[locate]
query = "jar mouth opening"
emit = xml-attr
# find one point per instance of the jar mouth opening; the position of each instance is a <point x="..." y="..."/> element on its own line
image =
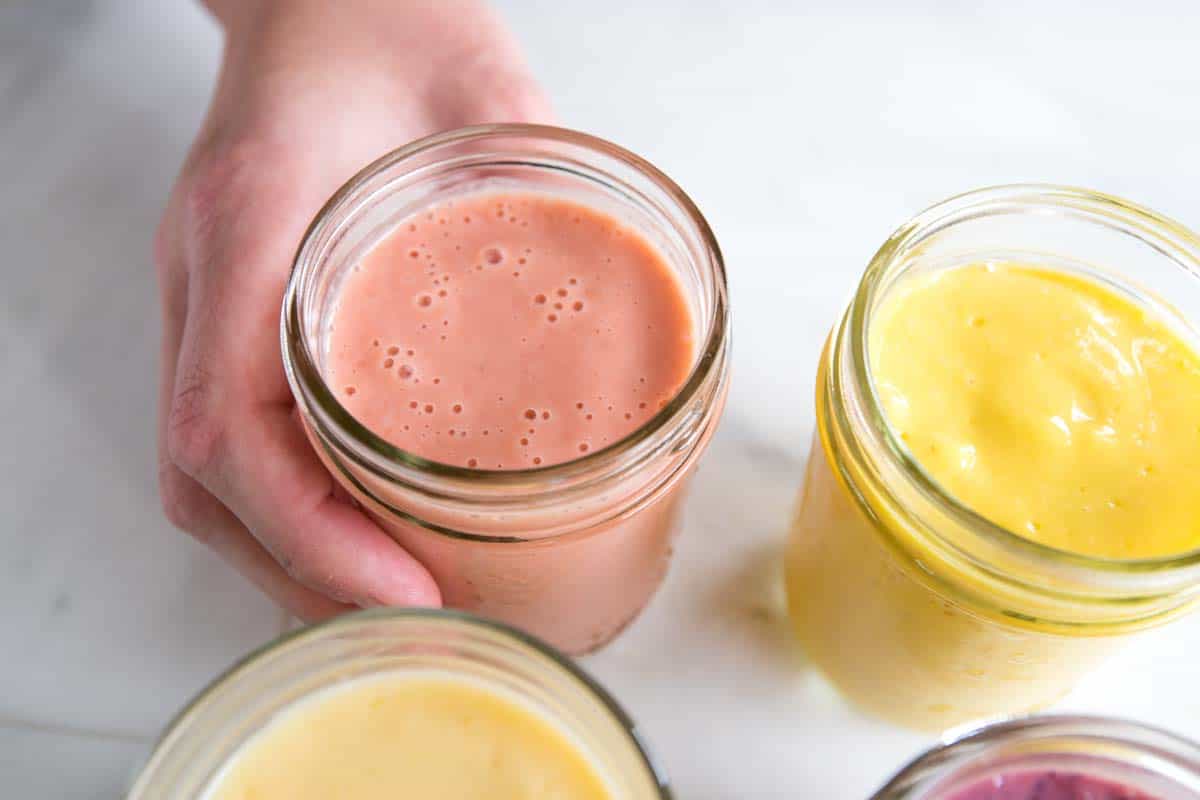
<point x="1030" y="739"/>
<point x="449" y="619"/>
<point x="1166" y="236"/>
<point x="392" y="462"/>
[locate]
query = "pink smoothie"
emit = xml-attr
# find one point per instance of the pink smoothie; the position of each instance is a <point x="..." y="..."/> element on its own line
<point x="1048" y="786"/>
<point x="509" y="331"/>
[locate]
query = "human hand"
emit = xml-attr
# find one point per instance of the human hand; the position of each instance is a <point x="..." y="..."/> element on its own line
<point x="309" y="92"/>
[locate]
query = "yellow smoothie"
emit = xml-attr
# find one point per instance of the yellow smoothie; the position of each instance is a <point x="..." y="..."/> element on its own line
<point x="427" y="736"/>
<point x="1048" y="404"/>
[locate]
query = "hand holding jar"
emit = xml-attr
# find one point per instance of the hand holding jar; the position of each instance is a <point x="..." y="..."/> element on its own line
<point x="307" y="95"/>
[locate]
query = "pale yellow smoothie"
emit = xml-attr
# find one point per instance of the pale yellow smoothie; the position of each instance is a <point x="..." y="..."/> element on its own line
<point x="1050" y="405"/>
<point x="411" y="735"/>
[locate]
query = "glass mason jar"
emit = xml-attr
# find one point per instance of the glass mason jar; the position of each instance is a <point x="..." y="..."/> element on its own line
<point x="208" y="733"/>
<point x="918" y="609"/>
<point x="570" y="552"/>
<point x="1151" y="762"/>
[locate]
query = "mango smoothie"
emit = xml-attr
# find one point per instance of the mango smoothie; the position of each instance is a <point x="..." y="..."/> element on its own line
<point x="1002" y="482"/>
<point x="414" y="736"/>
<point x="1048" y="404"/>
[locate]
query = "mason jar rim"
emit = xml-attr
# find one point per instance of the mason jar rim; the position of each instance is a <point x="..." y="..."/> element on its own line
<point x="441" y="616"/>
<point x="1167" y="236"/>
<point x="1168" y="747"/>
<point x="397" y="464"/>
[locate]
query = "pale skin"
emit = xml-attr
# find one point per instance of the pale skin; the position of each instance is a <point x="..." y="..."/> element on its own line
<point x="309" y="92"/>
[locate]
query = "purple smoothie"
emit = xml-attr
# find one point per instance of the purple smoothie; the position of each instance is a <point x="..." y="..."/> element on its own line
<point x="1048" y="786"/>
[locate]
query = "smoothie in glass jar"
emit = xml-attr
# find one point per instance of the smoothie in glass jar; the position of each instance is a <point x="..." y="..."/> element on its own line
<point x="510" y="345"/>
<point x="1002" y="485"/>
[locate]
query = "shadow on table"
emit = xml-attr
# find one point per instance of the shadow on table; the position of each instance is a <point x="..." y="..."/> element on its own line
<point x="744" y="493"/>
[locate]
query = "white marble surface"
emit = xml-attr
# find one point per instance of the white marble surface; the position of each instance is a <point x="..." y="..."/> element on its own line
<point x="806" y="131"/>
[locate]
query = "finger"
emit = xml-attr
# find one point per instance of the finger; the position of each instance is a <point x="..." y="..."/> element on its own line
<point x="322" y="540"/>
<point x="212" y="524"/>
<point x="231" y="429"/>
<point x="186" y="503"/>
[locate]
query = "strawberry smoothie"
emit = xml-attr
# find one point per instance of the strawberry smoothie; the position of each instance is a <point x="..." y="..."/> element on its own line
<point x="503" y="331"/>
<point x="509" y="344"/>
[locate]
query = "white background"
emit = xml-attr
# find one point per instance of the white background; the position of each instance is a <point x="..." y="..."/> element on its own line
<point x="805" y="131"/>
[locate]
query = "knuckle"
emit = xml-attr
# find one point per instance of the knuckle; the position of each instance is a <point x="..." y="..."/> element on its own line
<point x="215" y="182"/>
<point x="194" y="431"/>
<point x="179" y="496"/>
